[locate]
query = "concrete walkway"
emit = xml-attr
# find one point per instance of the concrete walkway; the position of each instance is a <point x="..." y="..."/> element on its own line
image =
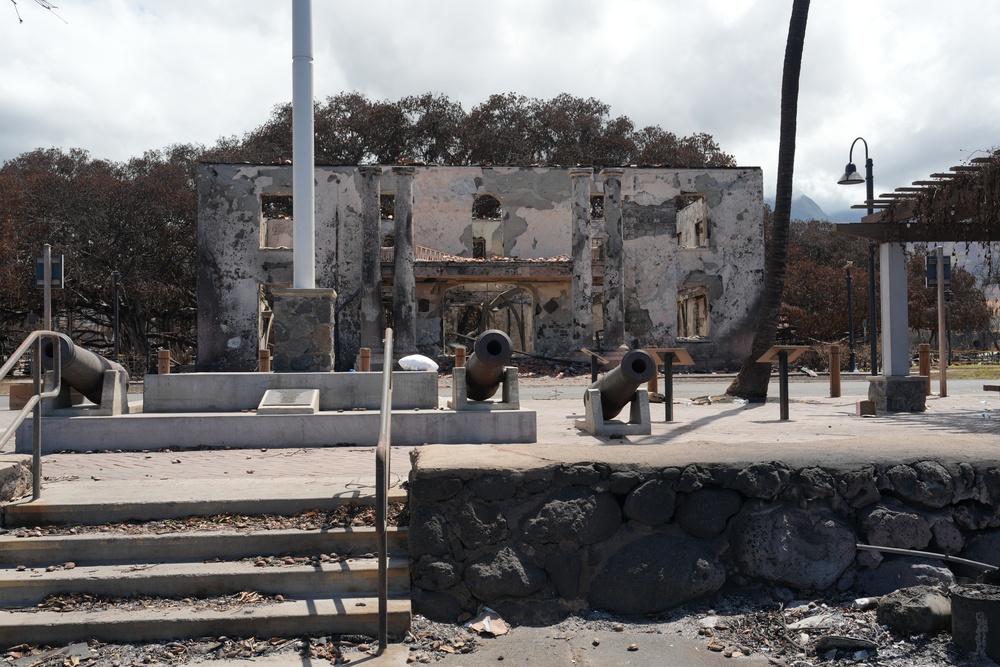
<point x="821" y="430"/>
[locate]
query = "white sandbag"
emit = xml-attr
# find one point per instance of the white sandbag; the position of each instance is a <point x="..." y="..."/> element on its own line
<point x="417" y="362"/>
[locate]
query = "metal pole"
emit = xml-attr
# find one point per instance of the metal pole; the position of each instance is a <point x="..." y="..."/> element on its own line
<point x="36" y="415"/>
<point x="942" y="343"/>
<point x="47" y="280"/>
<point x="783" y="382"/>
<point x="873" y="327"/>
<point x="668" y="386"/>
<point x="852" y="362"/>
<point x="303" y="149"/>
<point x="114" y="278"/>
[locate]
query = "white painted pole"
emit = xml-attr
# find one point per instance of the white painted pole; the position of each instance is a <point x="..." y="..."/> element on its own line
<point x="895" y="327"/>
<point x="303" y="157"/>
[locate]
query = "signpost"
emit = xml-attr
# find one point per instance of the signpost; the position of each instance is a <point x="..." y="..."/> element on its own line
<point x="667" y="357"/>
<point x="783" y="354"/>
<point x="939" y="265"/>
<point x="48" y="276"/>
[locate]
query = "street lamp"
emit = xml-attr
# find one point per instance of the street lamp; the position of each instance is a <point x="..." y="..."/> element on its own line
<point x="114" y="278"/>
<point x="852" y="365"/>
<point x="852" y="177"/>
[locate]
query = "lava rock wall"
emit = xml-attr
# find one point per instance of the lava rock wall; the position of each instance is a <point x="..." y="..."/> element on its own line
<point x="537" y="544"/>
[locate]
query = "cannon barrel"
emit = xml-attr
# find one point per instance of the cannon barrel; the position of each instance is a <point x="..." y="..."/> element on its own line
<point x="81" y="369"/>
<point x="484" y="367"/>
<point x="618" y="386"/>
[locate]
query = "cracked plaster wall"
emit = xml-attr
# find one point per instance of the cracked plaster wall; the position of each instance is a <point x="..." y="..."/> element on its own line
<point x="731" y="264"/>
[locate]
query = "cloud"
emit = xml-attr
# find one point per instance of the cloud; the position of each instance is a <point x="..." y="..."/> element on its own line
<point x="914" y="77"/>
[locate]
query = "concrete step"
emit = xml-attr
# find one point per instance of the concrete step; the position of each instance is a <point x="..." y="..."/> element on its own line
<point x="200" y="580"/>
<point x="70" y="504"/>
<point x="321" y="597"/>
<point x="105" y="548"/>
<point x="335" y="615"/>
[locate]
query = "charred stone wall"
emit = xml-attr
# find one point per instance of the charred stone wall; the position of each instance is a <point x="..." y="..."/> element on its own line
<point x="536" y="544"/>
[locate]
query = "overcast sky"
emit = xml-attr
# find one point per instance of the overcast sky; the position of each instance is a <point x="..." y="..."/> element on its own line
<point x="918" y="79"/>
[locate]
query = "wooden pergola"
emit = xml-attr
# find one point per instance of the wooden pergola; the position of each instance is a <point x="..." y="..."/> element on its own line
<point x="960" y="205"/>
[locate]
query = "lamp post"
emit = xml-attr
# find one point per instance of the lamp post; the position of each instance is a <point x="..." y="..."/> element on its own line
<point x="852" y="177"/>
<point x="114" y="281"/>
<point x="852" y="363"/>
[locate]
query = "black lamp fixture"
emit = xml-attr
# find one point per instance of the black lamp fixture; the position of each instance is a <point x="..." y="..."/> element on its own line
<point x="852" y="177"/>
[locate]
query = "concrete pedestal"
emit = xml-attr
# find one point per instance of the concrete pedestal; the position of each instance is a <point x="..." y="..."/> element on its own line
<point x="898" y="393"/>
<point x="303" y="330"/>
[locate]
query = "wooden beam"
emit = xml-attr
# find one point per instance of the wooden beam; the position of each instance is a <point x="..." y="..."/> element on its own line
<point x="913" y="232"/>
<point x="873" y="231"/>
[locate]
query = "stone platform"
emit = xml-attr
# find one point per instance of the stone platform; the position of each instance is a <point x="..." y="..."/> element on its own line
<point x="152" y="431"/>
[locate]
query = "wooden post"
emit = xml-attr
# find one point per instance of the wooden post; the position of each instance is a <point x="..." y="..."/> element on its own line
<point x="924" y="355"/>
<point x="163" y="362"/>
<point x="366" y="360"/>
<point x="653" y="386"/>
<point x="834" y="371"/>
<point x="459" y="356"/>
<point x="264" y="361"/>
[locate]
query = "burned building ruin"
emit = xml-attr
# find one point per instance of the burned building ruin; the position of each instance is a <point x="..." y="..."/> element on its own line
<point x="555" y="257"/>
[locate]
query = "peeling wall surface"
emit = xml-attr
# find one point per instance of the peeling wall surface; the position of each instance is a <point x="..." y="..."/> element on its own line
<point x="535" y="228"/>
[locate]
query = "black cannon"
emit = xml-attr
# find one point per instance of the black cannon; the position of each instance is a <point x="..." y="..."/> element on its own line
<point x="81" y="369"/>
<point x="618" y="387"/>
<point x="484" y="367"/>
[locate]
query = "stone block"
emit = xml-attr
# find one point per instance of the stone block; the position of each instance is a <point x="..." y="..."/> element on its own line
<point x="303" y="330"/>
<point x="898" y="393"/>
<point x="642" y="577"/>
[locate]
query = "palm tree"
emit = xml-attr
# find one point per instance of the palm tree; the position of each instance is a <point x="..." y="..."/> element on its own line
<point x="751" y="382"/>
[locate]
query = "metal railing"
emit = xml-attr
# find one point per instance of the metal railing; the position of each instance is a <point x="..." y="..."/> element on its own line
<point x="34" y="404"/>
<point x="382" y="456"/>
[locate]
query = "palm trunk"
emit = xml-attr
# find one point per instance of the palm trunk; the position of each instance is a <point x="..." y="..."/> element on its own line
<point x="751" y="382"/>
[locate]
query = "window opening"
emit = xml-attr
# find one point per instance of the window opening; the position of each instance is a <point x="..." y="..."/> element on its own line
<point x="487" y="207"/>
<point x="487" y="227"/>
<point x="693" y="311"/>
<point x="596" y="207"/>
<point x="387" y="206"/>
<point x="692" y="221"/>
<point x="387" y="209"/>
<point x="276" y="224"/>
